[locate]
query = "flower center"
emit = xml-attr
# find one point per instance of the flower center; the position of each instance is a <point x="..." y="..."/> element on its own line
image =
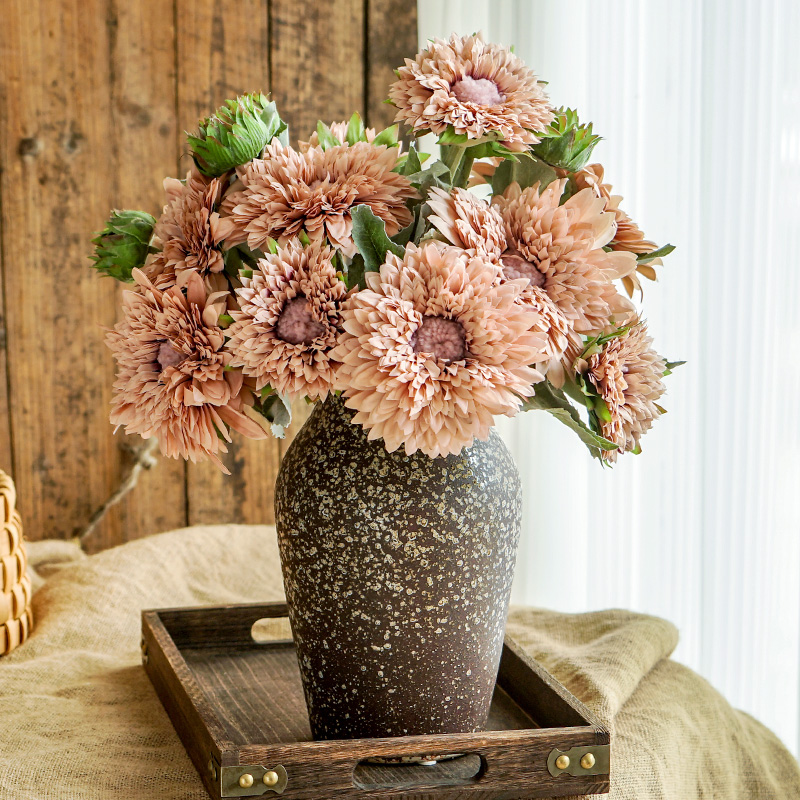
<point x="444" y="338"/>
<point x="168" y="356"/>
<point x="516" y="267"/>
<point x="296" y="325"/>
<point x="482" y="91"/>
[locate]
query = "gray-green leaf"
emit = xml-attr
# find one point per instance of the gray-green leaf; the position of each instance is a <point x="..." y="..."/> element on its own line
<point x="554" y="401"/>
<point x="369" y="234"/>
<point x="526" y="171"/>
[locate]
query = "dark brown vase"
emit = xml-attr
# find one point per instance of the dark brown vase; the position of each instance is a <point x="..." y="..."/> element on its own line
<point x="398" y="572"/>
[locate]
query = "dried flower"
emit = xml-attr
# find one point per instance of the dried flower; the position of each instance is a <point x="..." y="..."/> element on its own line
<point x="434" y="347"/>
<point x="173" y="380"/>
<point x="189" y="233"/>
<point x="627" y="374"/>
<point x="557" y="248"/>
<point x="467" y="221"/>
<point x="560" y="249"/>
<point x="473" y="87"/>
<point x="287" y="192"/>
<point x="628" y="236"/>
<point x="289" y="321"/>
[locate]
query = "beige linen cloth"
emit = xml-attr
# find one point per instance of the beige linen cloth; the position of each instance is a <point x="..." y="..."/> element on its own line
<point x="80" y="721"/>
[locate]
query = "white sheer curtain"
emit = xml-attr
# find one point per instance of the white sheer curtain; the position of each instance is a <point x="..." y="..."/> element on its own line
<point x="699" y="104"/>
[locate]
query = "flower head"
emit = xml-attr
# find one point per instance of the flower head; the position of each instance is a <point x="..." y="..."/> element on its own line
<point x="289" y="321"/>
<point x="628" y="236"/>
<point x="173" y="380"/>
<point x="287" y="192"/>
<point x="189" y="233"/>
<point x="555" y="248"/>
<point x="467" y="221"/>
<point x="627" y="374"/>
<point x="476" y="88"/>
<point x="560" y="249"/>
<point x="434" y="347"/>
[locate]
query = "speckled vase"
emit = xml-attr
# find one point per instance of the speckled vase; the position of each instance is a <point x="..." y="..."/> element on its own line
<point x="397" y="572"/>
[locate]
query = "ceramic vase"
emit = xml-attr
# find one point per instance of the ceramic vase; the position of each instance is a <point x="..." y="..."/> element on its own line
<point x="397" y="572"/>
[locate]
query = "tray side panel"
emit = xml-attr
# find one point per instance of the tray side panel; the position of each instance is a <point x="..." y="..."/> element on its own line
<point x="194" y="721"/>
<point x="218" y="626"/>
<point x="540" y="694"/>
<point x="515" y="766"/>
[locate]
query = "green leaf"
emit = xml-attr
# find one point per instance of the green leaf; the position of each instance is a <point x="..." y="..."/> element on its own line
<point x="437" y="174"/>
<point x="369" y="234"/>
<point x="409" y="163"/>
<point x="237" y="132"/>
<point x="451" y="137"/>
<point x="388" y="136"/>
<point x="355" y="272"/>
<point x="555" y="402"/>
<point x="326" y="138"/>
<point x="355" y="130"/>
<point x="526" y="171"/>
<point x="671" y="365"/>
<point x="123" y="244"/>
<point x="276" y="408"/>
<point x="644" y="258"/>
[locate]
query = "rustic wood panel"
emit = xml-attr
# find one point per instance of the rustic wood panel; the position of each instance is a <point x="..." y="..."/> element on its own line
<point x="143" y="145"/>
<point x="94" y="98"/>
<point x="391" y="37"/>
<point x="317" y="61"/>
<point x="223" y="50"/>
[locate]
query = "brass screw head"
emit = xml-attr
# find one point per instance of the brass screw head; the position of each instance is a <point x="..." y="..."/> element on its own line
<point x="270" y="778"/>
<point x="246" y="781"/>
<point x="587" y="762"/>
<point x="562" y="762"/>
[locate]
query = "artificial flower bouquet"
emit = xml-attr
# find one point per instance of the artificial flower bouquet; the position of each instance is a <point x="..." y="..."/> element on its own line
<point x="432" y="294"/>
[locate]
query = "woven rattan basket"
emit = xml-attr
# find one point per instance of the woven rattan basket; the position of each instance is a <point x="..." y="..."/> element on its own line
<point x="16" y="617"/>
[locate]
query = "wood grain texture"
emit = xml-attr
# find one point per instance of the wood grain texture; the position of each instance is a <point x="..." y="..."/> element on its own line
<point x="391" y="37"/>
<point x="142" y="117"/>
<point x="317" y="61"/>
<point x="223" y="51"/>
<point x="94" y="98"/>
<point x="61" y="138"/>
<point x="207" y="665"/>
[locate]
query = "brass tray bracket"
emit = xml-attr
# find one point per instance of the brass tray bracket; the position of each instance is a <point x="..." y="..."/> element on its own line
<point x="594" y="760"/>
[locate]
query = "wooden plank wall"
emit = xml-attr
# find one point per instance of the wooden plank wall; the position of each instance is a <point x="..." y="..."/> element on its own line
<point x="94" y="98"/>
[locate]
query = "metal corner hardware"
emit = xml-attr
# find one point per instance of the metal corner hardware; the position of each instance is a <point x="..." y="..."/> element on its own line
<point x="577" y="761"/>
<point x="252" y="780"/>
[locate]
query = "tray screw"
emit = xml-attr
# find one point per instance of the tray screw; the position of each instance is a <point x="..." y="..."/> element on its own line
<point x="587" y="762"/>
<point x="270" y="778"/>
<point x="562" y="762"/>
<point x="246" y="781"/>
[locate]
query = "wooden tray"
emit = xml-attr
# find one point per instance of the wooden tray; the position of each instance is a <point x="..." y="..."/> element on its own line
<point x="238" y="706"/>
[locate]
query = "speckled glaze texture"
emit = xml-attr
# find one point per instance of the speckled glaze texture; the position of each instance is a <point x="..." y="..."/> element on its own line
<point x="398" y="572"/>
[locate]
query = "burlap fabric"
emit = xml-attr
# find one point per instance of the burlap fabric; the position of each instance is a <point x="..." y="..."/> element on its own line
<point x="80" y="721"/>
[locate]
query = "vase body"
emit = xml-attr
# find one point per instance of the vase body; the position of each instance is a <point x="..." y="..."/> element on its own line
<point x="397" y="572"/>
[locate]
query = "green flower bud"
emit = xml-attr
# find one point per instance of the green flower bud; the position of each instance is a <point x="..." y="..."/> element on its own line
<point x="123" y="244"/>
<point x="237" y="132"/>
<point x="565" y="143"/>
